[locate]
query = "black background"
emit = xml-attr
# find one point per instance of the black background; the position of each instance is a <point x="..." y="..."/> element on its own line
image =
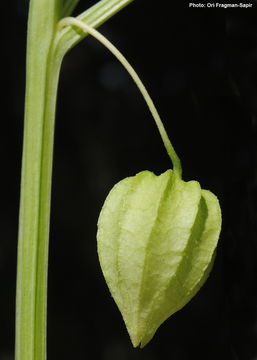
<point x="200" y="67"/>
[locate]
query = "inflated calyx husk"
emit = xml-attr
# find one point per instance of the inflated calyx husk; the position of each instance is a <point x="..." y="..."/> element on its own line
<point x="157" y="237"/>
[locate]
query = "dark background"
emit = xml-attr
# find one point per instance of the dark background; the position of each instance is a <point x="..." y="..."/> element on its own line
<point x="200" y="67"/>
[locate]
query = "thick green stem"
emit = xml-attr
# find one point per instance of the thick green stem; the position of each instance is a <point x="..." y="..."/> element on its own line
<point x="35" y="183"/>
<point x="42" y="73"/>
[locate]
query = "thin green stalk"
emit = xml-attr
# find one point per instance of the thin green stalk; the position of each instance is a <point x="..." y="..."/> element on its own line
<point x="42" y="74"/>
<point x="88" y="29"/>
<point x="95" y="16"/>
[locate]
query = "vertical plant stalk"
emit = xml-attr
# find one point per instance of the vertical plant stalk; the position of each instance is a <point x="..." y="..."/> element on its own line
<point x="35" y="184"/>
<point x="42" y="73"/>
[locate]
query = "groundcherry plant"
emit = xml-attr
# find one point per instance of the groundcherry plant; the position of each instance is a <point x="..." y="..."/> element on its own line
<point x="156" y="236"/>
